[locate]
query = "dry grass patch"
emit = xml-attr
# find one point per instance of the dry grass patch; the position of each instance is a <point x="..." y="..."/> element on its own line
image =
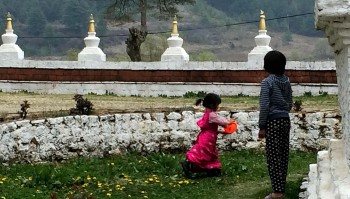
<point x="54" y="105"/>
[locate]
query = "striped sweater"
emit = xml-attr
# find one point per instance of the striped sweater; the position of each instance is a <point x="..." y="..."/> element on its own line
<point x="275" y="99"/>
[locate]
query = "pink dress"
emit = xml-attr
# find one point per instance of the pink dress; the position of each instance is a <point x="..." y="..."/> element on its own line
<point x="204" y="154"/>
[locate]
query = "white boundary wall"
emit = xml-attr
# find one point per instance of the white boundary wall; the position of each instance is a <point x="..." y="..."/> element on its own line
<point x="158" y="88"/>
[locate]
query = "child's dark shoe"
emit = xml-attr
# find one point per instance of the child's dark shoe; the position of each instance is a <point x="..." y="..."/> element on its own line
<point x="186" y="167"/>
<point x="214" y="172"/>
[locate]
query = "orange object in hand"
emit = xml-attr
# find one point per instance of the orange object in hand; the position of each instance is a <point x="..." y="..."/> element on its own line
<point x="231" y="128"/>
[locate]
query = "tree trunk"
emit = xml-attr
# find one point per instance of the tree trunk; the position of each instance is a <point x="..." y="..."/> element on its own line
<point x="136" y="36"/>
<point x="133" y="43"/>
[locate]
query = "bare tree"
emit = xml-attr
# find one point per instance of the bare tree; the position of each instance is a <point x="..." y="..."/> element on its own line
<point x="123" y="10"/>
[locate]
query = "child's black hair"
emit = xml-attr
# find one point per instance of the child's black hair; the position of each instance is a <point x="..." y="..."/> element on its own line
<point x="275" y="62"/>
<point x="210" y="101"/>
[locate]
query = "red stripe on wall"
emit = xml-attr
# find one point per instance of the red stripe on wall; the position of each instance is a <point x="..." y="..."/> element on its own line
<point x="101" y="75"/>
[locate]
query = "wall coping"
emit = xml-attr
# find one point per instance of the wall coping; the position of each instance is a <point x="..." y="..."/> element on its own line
<point x="291" y="65"/>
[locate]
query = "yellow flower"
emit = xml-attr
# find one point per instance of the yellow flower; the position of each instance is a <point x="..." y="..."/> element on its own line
<point x="145" y="196"/>
<point x="3" y="197"/>
<point x="99" y="184"/>
<point x="1" y="182"/>
<point x="88" y="178"/>
<point x="30" y="178"/>
<point x="112" y="163"/>
<point x="150" y="179"/>
<point x="129" y="196"/>
<point x="143" y="192"/>
<point x="109" y="194"/>
<point x="94" y="178"/>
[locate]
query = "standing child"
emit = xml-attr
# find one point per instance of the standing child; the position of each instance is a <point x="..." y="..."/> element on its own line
<point x="274" y="123"/>
<point x="203" y="156"/>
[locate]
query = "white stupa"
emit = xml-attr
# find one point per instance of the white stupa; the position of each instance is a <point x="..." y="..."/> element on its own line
<point x="175" y="52"/>
<point x="91" y="52"/>
<point x="9" y="50"/>
<point x="262" y="43"/>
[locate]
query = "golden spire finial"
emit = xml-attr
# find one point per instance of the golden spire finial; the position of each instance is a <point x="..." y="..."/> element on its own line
<point x="92" y="24"/>
<point x="174" y="31"/>
<point x="262" y="25"/>
<point x="9" y="23"/>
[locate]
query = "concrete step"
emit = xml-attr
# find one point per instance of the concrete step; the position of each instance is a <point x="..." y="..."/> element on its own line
<point x="339" y="169"/>
<point x="311" y="189"/>
<point x="324" y="186"/>
<point x="338" y="164"/>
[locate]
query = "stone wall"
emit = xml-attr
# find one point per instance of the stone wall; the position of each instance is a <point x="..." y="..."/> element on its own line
<point x="71" y="136"/>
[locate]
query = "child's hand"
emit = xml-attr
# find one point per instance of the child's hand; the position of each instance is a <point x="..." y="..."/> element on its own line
<point x="230" y="121"/>
<point x="262" y="133"/>
<point x="221" y="132"/>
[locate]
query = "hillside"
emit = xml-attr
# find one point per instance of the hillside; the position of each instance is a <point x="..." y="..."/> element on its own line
<point x="56" y="30"/>
<point x="231" y="43"/>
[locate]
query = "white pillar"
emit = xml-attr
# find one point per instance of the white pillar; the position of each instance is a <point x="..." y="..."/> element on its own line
<point x="91" y="52"/>
<point x="9" y="50"/>
<point x="175" y="52"/>
<point x="330" y="178"/>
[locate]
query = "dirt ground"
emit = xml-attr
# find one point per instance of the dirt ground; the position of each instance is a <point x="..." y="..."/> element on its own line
<point x="44" y="106"/>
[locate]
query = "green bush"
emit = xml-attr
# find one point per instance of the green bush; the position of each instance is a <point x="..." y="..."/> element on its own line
<point x="204" y="56"/>
<point x="72" y="54"/>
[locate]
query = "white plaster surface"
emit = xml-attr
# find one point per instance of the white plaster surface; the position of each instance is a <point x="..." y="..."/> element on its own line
<point x="92" y="52"/>
<point x="9" y="50"/>
<point x="262" y="47"/>
<point x="175" y="52"/>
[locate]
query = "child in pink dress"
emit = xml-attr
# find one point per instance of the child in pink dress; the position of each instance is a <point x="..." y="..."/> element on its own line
<point x="203" y="156"/>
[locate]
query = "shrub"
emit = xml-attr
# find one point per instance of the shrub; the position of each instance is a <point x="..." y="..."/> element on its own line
<point x="24" y="109"/>
<point x="308" y="94"/>
<point x="83" y="106"/>
<point x="191" y="94"/>
<point x="72" y="54"/>
<point x="297" y="105"/>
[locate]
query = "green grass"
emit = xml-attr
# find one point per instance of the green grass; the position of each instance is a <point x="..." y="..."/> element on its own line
<point x="155" y="175"/>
